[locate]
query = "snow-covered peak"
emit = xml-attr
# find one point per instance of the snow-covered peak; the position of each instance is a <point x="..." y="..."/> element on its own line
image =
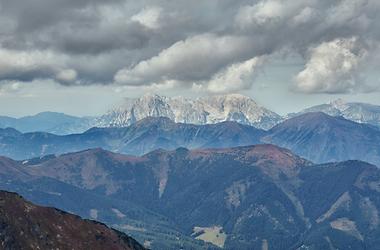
<point x="354" y="111"/>
<point x="204" y="110"/>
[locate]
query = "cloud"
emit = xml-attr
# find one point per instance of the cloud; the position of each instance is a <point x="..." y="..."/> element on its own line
<point x="238" y="76"/>
<point x="270" y="14"/>
<point x="157" y="42"/>
<point x="28" y="66"/>
<point x="149" y="17"/>
<point x="9" y="87"/>
<point x="67" y="75"/>
<point x="260" y="13"/>
<point x="306" y="15"/>
<point x="194" y="59"/>
<point x="347" y="11"/>
<point x="333" y="67"/>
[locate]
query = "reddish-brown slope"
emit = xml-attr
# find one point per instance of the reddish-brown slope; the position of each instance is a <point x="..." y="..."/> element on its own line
<point x="27" y="226"/>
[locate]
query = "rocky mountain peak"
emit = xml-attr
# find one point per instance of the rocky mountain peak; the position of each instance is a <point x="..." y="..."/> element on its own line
<point x="203" y="110"/>
<point x="354" y="111"/>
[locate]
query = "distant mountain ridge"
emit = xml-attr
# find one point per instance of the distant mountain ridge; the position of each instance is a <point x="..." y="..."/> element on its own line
<point x="139" y="138"/>
<point x="199" y="111"/>
<point x="323" y="138"/>
<point x="204" y="110"/>
<point x="236" y="198"/>
<point x="354" y="111"/>
<point x="315" y="136"/>
<point x="51" y="122"/>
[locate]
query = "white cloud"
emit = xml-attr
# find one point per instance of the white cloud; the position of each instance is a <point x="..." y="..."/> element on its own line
<point x="333" y="67"/>
<point x="149" y="17"/>
<point x="153" y="43"/>
<point x="267" y="12"/>
<point x="33" y="65"/>
<point x="260" y="13"/>
<point x="67" y="75"/>
<point x="193" y="59"/>
<point x="238" y="76"/>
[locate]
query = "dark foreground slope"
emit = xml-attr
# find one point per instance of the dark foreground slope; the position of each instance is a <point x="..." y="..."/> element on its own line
<point x="237" y="198"/>
<point x="24" y="225"/>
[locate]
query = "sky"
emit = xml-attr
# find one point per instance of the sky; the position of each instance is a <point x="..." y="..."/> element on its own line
<point x="82" y="57"/>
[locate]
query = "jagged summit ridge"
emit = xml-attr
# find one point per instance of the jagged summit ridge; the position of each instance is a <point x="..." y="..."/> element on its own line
<point x="354" y="111"/>
<point x="203" y="110"/>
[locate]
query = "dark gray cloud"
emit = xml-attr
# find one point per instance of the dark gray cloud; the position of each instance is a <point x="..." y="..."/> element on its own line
<point x="187" y="43"/>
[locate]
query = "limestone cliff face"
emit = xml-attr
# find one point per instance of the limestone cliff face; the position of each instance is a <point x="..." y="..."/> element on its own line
<point x="200" y="111"/>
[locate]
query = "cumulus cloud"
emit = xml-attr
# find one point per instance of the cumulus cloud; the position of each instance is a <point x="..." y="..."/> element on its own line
<point x="333" y="67"/>
<point x="194" y="59"/>
<point x="149" y="17"/>
<point x="260" y="13"/>
<point x="189" y="43"/>
<point x="269" y="14"/>
<point x="27" y="66"/>
<point x="238" y="76"/>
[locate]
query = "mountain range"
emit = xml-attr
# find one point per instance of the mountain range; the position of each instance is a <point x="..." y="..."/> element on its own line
<point x="139" y="138"/>
<point x="149" y="227"/>
<point x="200" y="111"/>
<point x="50" y="122"/>
<point x="252" y="197"/>
<point x="323" y="138"/>
<point x="205" y="110"/>
<point x="354" y="111"/>
<point x="208" y="174"/>
<point x="315" y="136"/>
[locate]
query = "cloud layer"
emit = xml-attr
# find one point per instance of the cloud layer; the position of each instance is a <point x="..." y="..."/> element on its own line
<point x="215" y="45"/>
<point x="333" y="67"/>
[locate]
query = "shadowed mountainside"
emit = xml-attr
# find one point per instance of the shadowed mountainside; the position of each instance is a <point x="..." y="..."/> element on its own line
<point x="314" y="136"/>
<point x="24" y="225"/>
<point x="140" y="138"/>
<point x="238" y="198"/>
<point x="323" y="138"/>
